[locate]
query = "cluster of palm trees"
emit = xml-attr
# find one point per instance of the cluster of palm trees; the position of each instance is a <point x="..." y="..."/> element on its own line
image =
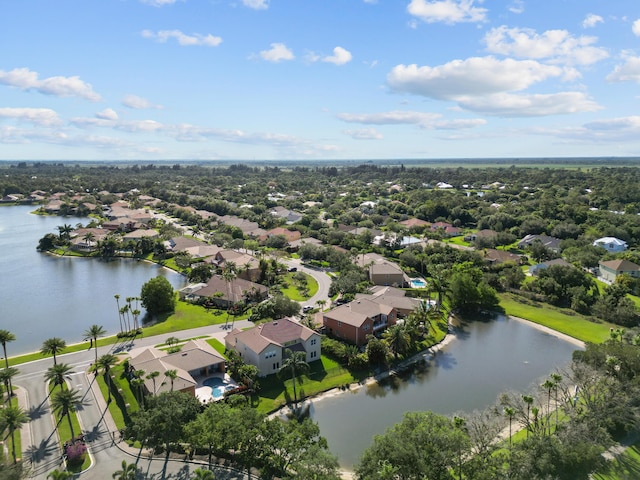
<point x="128" y="314"/>
<point x="12" y="417"/>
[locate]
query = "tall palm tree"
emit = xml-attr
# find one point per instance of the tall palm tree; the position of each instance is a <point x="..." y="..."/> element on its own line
<point x="128" y="471"/>
<point x="152" y="376"/>
<point x="92" y="333"/>
<point x="510" y="412"/>
<point x="88" y="238"/>
<point x="5" y="337"/>
<point x="53" y="346"/>
<point x="6" y="374"/>
<point x="459" y="423"/>
<point x="58" y="373"/>
<point x="171" y="375"/>
<point x="528" y="399"/>
<point x="64" y="403"/>
<point x="105" y="362"/>
<point x="60" y="475"/>
<point x="556" y="378"/>
<point x="548" y="386"/>
<point x="137" y="384"/>
<point x="65" y="231"/>
<point x="229" y="274"/>
<point x="12" y="418"/>
<point x="296" y="363"/>
<point x="117" y="297"/>
<point x="123" y="313"/>
<point x="397" y="338"/>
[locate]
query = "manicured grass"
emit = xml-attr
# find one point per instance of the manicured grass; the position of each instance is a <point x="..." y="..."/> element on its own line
<point x="16" y="437"/>
<point x="121" y="396"/>
<point x="458" y="241"/>
<point x="218" y="346"/>
<point x="563" y="321"/>
<point x="625" y="466"/>
<point x="292" y="291"/>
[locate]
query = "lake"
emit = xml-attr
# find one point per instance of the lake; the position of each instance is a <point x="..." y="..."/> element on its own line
<point x="44" y="296"/>
<point x="485" y="359"/>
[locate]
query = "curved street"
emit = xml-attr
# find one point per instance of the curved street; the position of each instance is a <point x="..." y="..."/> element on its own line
<point x="40" y="444"/>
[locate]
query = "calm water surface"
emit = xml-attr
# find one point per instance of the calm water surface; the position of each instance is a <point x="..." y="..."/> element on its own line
<point x="42" y="296"/>
<point x="485" y="359"/>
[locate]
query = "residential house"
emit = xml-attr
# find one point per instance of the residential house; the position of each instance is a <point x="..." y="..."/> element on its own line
<point x="552" y="243"/>
<point x="247" y="266"/>
<point x="611" y="244"/>
<point x="356" y="320"/>
<point x="222" y="293"/>
<point x="535" y="269"/>
<point x="195" y="359"/>
<point x="393" y="297"/>
<point x="482" y="234"/>
<point x="265" y="345"/>
<point x="610" y="270"/>
<point x="290" y="216"/>
<point x="500" y="256"/>
<point x="290" y="235"/>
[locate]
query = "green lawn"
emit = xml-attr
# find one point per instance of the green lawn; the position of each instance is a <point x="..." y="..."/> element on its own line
<point x="294" y="293"/>
<point x="626" y="466"/>
<point x="16" y="436"/>
<point x="218" y="346"/>
<point x="562" y="320"/>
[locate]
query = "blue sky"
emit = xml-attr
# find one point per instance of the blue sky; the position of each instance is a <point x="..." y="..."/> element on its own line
<point x="318" y="79"/>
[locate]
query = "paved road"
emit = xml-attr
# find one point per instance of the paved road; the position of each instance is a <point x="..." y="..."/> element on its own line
<point x="39" y="437"/>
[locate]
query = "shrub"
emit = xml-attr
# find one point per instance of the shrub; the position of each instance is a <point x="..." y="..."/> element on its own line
<point x="76" y="453"/>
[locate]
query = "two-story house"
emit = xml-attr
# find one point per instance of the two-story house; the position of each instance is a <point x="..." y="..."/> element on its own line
<point x="356" y="320"/>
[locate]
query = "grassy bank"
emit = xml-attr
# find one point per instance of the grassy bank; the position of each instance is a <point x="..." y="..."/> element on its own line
<point x="562" y="320"/>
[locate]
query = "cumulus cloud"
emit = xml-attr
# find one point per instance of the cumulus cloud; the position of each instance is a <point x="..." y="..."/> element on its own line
<point x="591" y="20"/>
<point x="25" y="79"/>
<point x="364" y="134"/>
<point x="256" y="4"/>
<point x="183" y="39"/>
<point x="447" y="11"/>
<point x="137" y="103"/>
<point x="510" y="105"/>
<point x="517" y="6"/>
<point x="277" y="53"/>
<point x="40" y="116"/>
<point x="107" y="114"/>
<point x="629" y="71"/>
<point x="635" y="28"/>
<point x="459" y="124"/>
<point x="340" y="56"/>
<point x="471" y="77"/>
<point x="554" y="45"/>
<point x="388" y="118"/>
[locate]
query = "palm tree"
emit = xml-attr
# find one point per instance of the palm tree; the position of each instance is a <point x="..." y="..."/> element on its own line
<point x="556" y="378"/>
<point x="296" y="362"/>
<point x="153" y="376"/>
<point x="60" y="475"/>
<point x="117" y="297"/>
<point x="123" y="314"/>
<point x="92" y="333"/>
<point x="509" y="412"/>
<point x="64" y="403"/>
<point x="171" y="375"/>
<point x="229" y="274"/>
<point x="5" y="337"/>
<point x="528" y="399"/>
<point x="58" y="373"/>
<point x="6" y="374"/>
<point x="88" y="238"/>
<point x="321" y="304"/>
<point x="65" y="231"/>
<point x="129" y="471"/>
<point x="105" y="362"/>
<point x="12" y="418"/>
<point x="460" y="424"/>
<point x="548" y="385"/>
<point x="53" y="346"/>
<point x="137" y="384"/>
<point x="397" y="338"/>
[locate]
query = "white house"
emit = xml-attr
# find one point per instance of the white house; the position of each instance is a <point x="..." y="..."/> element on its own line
<point x="611" y="244"/>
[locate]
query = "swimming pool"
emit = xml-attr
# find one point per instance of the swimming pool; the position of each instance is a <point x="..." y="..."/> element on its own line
<point x="218" y="387"/>
<point x="417" y="283"/>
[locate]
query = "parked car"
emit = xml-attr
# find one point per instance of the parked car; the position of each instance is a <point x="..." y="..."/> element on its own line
<point x="292" y="269"/>
<point x="307" y="308"/>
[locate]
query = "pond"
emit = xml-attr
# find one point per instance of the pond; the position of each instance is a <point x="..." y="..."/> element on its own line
<point x="485" y="359"/>
<point x="44" y="296"/>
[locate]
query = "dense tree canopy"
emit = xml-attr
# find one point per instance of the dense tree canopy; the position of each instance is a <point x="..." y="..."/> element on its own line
<point x="157" y="296"/>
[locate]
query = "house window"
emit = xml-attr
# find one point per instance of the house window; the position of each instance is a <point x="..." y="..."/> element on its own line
<point x="365" y="327"/>
<point x="339" y="324"/>
<point x="314" y="341"/>
<point x="276" y="365"/>
<point x="313" y="354"/>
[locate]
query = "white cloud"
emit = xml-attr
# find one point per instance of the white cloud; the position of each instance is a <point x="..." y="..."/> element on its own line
<point x="183" y="39"/>
<point x="459" y="124"/>
<point x="629" y="71"/>
<point x="364" y="134"/>
<point x="554" y="45"/>
<point x="510" y="105"/>
<point x="635" y="28"/>
<point x="447" y="11"/>
<point x="137" y="103"/>
<point x="107" y="114"/>
<point x="25" y="79"/>
<point x="277" y="53"/>
<point x="256" y="4"/>
<point x="471" y="77"/>
<point x="39" y="116"/>
<point x="517" y="6"/>
<point x="158" y="3"/>
<point x="389" y="118"/>
<point x="340" y="56"/>
<point x="591" y="20"/>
